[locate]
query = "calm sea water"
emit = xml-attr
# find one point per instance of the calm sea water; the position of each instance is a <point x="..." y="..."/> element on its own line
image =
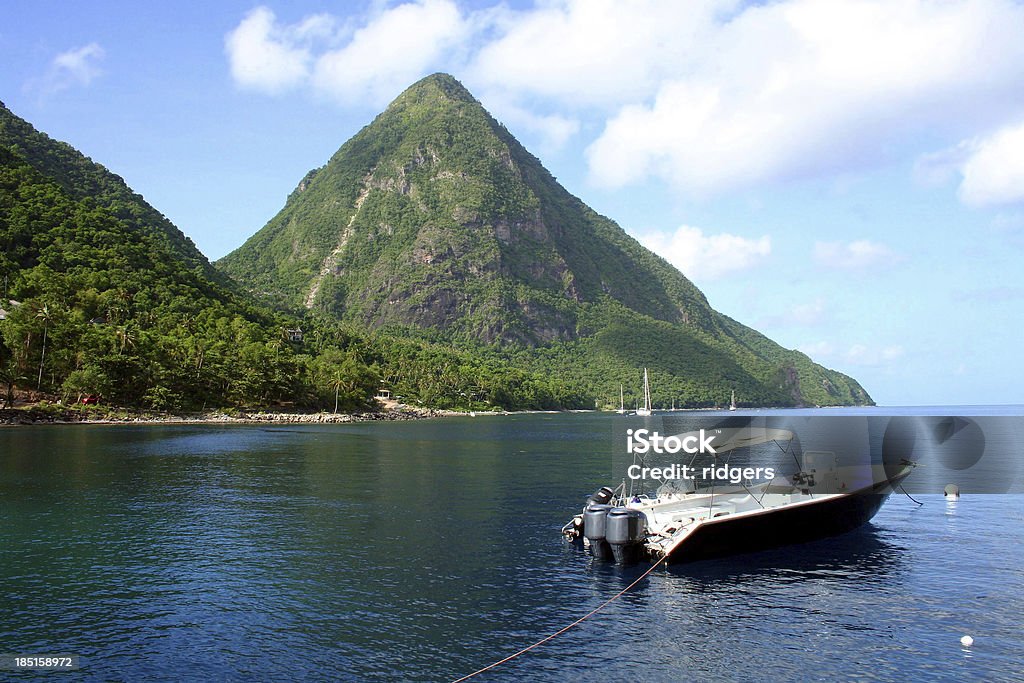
<point x="423" y="551"/>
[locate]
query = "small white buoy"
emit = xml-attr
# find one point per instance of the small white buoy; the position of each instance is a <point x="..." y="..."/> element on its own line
<point x="967" y="641"/>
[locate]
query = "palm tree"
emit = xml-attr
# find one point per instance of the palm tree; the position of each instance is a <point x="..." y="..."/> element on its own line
<point x="43" y="313"/>
<point x="125" y="337"/>
<point x="277" y="344"/>
<point x="337" y="381"/>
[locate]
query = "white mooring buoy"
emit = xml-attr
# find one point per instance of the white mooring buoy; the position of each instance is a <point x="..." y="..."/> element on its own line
<point x="951" y="492"/>
<point x="967" y="641"/>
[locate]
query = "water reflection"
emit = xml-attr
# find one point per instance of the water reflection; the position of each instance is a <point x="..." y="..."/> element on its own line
<point x="858" y="555"/>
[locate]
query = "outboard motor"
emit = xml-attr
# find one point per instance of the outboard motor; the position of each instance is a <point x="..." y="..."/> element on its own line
<point x="594" y="524"/>
<point x="625" y="532"/>
<point x="602" y="495"/>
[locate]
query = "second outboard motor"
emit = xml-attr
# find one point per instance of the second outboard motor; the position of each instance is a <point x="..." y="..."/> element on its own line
<point x="602" y="495"/>
<point x="594" y="525"/>
<point x="625" y="532"/>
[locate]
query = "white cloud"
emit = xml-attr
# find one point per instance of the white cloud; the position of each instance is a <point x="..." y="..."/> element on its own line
<point x="708" y="95"/>
<point x="599" y="52"/>
<point x="994" y="171"/>
<point x="990" y="168"/>
<point x="707" y="257"/>
<point x="805" y="87"/>
<point x="856" y="255"/>
<point x="856" y="354"/>
<point x="268" y="57"/>
<point x="553" y="130"/>
<point x="373" y="61"/>
<point x="78" y="67"/>
<point x="392" y="50"/>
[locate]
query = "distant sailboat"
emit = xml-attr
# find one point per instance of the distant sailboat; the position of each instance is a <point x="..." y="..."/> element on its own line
<point x="622" y="404"/>
<point x="732" y="403"/>
<point x="646" y="410"/>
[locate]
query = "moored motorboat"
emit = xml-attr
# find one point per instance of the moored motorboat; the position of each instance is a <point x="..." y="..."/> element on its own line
<point x="683" y="521"/>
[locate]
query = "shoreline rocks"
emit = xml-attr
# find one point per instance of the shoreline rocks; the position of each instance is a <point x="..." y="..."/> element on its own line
<point x="32" y="415"/>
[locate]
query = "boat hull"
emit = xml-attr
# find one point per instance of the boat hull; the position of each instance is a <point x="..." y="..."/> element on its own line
<point x="782" y="526"/>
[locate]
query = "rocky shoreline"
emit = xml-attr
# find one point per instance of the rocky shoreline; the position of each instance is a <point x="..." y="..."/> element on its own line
<point x="32" y="416"/>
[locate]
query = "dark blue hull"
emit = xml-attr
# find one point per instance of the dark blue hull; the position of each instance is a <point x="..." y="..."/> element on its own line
<point x="783" y="526"/>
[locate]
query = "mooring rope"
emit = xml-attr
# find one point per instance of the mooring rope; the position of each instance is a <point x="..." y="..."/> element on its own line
<point x="919" y="503"/>
<point x="565" y="628"/>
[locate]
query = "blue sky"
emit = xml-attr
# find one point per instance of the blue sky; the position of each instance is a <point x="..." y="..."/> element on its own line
<point x="847" y="176"/>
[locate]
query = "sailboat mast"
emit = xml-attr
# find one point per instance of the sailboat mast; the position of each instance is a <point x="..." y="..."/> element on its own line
<point x="647" y="391"/>
<point x="646" y="410"/>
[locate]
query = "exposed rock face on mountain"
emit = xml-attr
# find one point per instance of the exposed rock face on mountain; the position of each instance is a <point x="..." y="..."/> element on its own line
<point x="433" y="216"/>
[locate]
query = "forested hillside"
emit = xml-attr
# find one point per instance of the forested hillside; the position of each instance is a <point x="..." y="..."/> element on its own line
<point x="102" y="296"/>
<point x="433" y="257"/>
<point x="434" y="221"/>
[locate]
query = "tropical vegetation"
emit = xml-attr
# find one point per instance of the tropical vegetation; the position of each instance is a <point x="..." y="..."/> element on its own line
<point x="432" y="256"/>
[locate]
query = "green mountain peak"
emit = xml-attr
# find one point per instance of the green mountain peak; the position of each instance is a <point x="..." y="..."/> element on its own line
<point x="434" y="217"/>
<point x="435" y="87"/>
